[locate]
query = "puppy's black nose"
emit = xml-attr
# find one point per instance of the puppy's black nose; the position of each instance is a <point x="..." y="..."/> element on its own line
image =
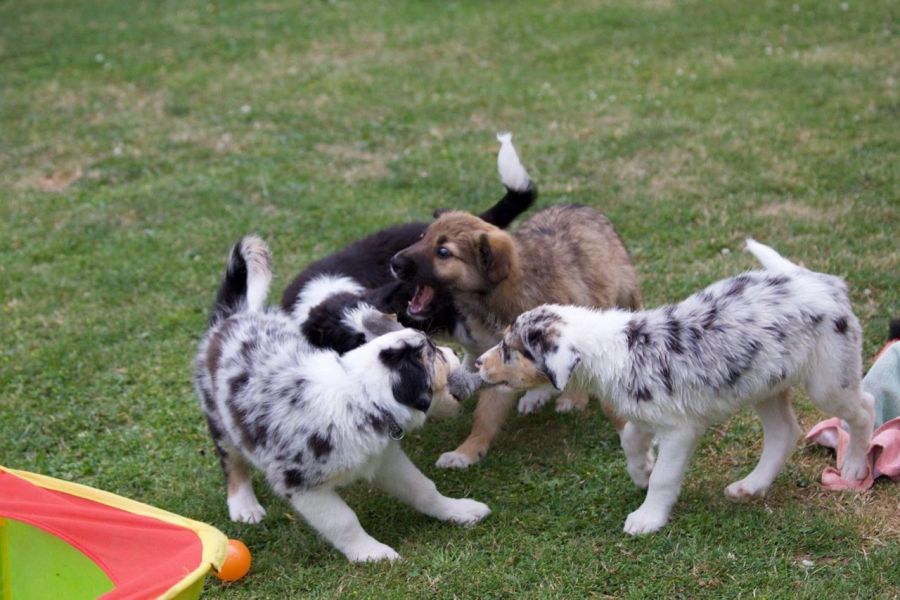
<point x="403" y="267"/>
<point x="478" y="363"/>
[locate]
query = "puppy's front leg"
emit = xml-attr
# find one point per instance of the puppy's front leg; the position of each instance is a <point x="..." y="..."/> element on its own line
<point x="327" y="513"/>
<point x="400" y="478"/>
<point x="675" y="449"/>
<point x="490" y="413"/>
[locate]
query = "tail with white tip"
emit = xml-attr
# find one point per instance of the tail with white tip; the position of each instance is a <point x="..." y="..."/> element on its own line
<point x="245" y="285"/>
<point x="521" y="192"/>
<point x="769" y="258"/>
<point x="512" y="173"/>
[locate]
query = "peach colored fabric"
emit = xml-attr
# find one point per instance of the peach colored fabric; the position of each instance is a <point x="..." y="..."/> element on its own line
<point x="884" y="453"/>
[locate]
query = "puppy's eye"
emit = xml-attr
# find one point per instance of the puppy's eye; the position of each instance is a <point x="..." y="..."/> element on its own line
<point x="443" y="252"/>
<point x="527" y="354"/>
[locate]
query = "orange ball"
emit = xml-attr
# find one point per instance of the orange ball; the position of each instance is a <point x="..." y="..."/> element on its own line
<point x="237" y="562"/>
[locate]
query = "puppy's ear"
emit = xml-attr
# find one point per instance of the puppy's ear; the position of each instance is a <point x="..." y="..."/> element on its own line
<point x="376" y="323"/>
<point x="495" y="254"/>
<point x="410" y="379"/>
<point x="559" y="364"/>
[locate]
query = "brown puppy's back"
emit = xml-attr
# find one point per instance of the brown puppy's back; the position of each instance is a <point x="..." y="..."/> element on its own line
<point x="571" y="254"/>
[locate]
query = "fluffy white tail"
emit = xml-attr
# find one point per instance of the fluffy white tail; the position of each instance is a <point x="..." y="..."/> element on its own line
<point x="512" y="173"/>
<point x="259" y="272"/>
<point x="769" y="258"/>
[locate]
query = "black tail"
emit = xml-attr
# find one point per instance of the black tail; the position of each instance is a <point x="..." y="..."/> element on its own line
<point x="894" y="330"/>
<point x="513" y="204"/>
<point x="246" y="281"/>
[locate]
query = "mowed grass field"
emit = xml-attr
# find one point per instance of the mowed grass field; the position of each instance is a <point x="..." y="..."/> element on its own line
<point x="138" y="140"/>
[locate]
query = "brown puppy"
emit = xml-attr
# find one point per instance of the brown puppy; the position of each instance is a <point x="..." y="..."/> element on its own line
<point x="564" y="254"/>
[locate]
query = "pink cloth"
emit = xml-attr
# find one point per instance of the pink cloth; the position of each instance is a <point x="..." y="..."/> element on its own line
<point x="884" y="453"/>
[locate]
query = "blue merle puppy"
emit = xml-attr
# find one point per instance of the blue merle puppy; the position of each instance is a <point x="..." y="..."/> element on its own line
<point x="674" y="370"/>
<point x="311" y="419"/>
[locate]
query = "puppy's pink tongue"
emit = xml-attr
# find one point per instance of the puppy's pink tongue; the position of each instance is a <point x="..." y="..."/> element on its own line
<point x="421" y="299"/>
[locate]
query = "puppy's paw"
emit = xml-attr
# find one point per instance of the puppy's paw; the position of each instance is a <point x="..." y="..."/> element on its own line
<point x="454" y="460"/>
<point x="465" y="511"/>
<point x="644" y="521"/>
<point x="567" y="404"/>
<point x="533" y="400"/>
<point x="371" y="551"/>
<point x="855" y="470"/>
<point x="245" y="508"/>
<point x="744" y="490"/>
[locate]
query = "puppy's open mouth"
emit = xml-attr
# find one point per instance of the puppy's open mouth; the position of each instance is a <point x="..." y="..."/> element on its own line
<point x="421" y="300"/>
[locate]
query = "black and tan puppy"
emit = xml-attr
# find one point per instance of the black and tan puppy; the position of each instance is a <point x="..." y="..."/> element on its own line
<point x="324" y="295"/>
<point x="563" y="254"/>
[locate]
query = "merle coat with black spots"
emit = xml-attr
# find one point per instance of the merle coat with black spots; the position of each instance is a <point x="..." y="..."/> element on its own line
<point x="312" y="420"/>
<point x="673" y="371"/>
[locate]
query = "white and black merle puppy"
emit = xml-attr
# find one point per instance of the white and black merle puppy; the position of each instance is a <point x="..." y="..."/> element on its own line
<point x="323" y="298"/>
<point x="313" y="420"/>
<point x="674" y="370"/>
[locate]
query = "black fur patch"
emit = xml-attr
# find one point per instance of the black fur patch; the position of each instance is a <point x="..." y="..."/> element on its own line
<point x="325" y="327"/>
<point x="253" y="434"/>
<point x="248" y="347"/>
<point x="320" y="445"/>
<point x="840" y="325"/>
<point x="894" y="330"/>
<point x="709" y="319"/>
<point x="237" y="383"/>
<point x="293" y="478"/>
<point x="738" y="285"/>
<point x="636" y="333"/>
<point x="410" y="384"/>
<point x="673" y="335"/>
<point x="545" y="340"/>
<point x="642" y="394"/>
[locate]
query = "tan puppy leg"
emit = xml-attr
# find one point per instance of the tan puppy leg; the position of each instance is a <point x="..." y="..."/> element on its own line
<point x="615" y="419"/>
<point x="570" y="401"/>
<point x="490" y="413"/>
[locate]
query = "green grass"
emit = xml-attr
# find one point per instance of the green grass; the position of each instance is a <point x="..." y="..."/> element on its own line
<point x="139" y="140"/>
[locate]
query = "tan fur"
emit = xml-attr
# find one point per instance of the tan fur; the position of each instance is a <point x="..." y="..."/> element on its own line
<point x="236" y="475"/>
<point x="518" y="372"/>
<point x="563" y="255"/>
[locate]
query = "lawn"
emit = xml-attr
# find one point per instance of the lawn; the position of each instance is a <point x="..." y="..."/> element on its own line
<point x="138" y="140"/>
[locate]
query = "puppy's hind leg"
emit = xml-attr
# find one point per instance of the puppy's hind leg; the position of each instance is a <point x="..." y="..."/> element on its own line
<point x="675" y="449"/>
<point x="400" y="478"/>
<point x="780" y="433"/>
<point x="328" y="514"/>
<point x="243" y="506"/>
<point x="856" y="407"/>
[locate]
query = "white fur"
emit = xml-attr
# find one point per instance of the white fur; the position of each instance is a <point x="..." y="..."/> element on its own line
<point x="313" y="420"/>
<point x="535" y="399"/>
<point x="673" y="371"/>
<point x="512" y="173"/>
<point x="259" y="275"/>
<point x="319" y="289"/>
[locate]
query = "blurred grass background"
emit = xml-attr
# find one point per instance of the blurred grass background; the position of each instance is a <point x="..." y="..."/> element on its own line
<point x="138" y="140"/>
